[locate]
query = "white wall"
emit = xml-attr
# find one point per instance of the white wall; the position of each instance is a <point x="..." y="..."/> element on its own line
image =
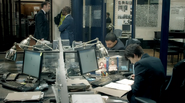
<point x="147" y="33"/>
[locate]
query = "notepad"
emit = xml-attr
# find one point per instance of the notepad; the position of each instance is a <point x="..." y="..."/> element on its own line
<point x="118" y="86"/>
<point x="87" y="98"/>
<point x="24" y="96"/>
<point x="125" y="81"/>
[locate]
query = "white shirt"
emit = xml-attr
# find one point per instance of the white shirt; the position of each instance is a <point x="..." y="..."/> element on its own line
<point x="66" y="15"/>
<point x="43" y="11"/>
<point x="112" y="67"/>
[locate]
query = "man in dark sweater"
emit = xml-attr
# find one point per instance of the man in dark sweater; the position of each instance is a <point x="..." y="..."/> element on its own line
<point x="113" y="43"/>
<point x="149" y="74"/>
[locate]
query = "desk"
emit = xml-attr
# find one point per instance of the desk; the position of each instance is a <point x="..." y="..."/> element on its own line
<point x="17" y="67"/>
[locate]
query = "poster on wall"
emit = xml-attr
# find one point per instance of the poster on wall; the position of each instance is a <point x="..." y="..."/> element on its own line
<point x="177" y="17"/>
<point x="123" y="15"/>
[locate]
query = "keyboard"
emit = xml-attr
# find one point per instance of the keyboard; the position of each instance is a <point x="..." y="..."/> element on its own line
<point x="116" y="77"/>
<point x="101" y="82"/>
<point x="19" y="87"/>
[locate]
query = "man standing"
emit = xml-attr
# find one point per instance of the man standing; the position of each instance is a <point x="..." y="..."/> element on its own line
<point x="67" y="26"/>
<point x="41" y="22"/>
<point x="149" y="74"/>
<point x="113" y="43"/>
<point x="108" y="22"/>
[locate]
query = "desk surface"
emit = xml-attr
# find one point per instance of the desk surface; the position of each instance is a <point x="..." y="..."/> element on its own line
<point x="17" y="67"/>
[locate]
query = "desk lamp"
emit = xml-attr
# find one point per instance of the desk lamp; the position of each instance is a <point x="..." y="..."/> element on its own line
<point x="24" y="44"/>
<point x="99" y="46"/>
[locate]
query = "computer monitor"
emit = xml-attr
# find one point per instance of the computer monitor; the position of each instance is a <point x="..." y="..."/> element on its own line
<point x="87" y="60"/>
<point x="125" y="27"/>
<point x="32" y="63"/>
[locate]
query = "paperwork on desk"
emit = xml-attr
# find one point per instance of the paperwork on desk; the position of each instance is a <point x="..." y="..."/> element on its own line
<point x="125" y="81"/>
<point x="87" y="98"/>
<point x="118" y="86"/>
<point x="24" y="96"/>
<point x="117" y="89"/>
<point x="123" y="84"/>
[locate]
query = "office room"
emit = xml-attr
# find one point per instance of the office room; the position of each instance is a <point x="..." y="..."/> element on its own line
<point x="156" y="25"/>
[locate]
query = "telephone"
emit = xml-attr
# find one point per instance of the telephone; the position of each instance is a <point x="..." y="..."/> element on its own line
<point x="10" y="76"/>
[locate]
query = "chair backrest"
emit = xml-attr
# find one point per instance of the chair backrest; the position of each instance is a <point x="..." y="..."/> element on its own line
<point x="178" y="76"/>
<point x="118" y="32"/>
<point x="174" y="91"/>
<point x="132" y="41"/>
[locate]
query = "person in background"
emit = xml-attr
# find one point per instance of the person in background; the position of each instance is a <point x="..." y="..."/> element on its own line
<point x="149" y="74"/>
<point x="113" y="43"/>
<point x="41" y="22"/>
<point x="108" y="21"/>
<point x="67" y="26"/>
<point x="62" y="17"/>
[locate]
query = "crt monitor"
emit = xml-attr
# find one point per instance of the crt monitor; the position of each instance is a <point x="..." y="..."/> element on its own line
<point x="87" y="60"/>
<point x="32" y="63"/>
<point x="125" y="27"/>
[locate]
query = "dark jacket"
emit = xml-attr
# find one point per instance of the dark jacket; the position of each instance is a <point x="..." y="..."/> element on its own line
<point x="108" y="20"/>
<point x="149" y="77"/>
<point x="118" y="46"/>
<point x="67" y="29"/>
<point x="41" y="26"/>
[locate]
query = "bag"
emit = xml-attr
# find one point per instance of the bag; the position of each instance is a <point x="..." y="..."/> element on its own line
<point x="57" y="19"/>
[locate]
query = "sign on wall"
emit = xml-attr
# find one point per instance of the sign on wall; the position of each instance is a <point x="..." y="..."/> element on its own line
<point x="123" y="15"/>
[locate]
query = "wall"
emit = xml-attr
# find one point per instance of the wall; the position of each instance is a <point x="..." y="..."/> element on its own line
<point x="27" y="8"/>
<point x="147" y="33"/>
<point x="110" y="4"/>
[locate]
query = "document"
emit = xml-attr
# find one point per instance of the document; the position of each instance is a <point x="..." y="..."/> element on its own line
<point x="87" y="98"/>
<point x="118" y="86"/>
<point x="24" y="96"/>
<point x="125" y="81"/>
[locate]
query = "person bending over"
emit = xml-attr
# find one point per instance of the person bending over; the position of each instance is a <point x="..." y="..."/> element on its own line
<point x="113" y="43"/>
<point x="149" y="74"/>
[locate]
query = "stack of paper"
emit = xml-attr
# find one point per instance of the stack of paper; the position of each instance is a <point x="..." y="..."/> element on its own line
<point x="118" y="86"/>
<point x="87" y="98"/>
<point x="125" y="81"/>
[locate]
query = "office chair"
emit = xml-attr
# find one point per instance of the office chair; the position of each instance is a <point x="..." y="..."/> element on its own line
<point x="132" y="41"/>
<point x="118" y="32"/>
<point x="174" y="91"/>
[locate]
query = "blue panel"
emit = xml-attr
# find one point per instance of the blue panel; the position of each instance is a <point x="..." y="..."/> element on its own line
<point x="133" y="18"/>
<point x="98" y="28"/>
<point x="164" y="32"/>
<point x="77" y="14"/>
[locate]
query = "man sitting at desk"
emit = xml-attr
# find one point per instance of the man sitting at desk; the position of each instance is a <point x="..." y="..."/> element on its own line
<point x="113" y="43"/>
<point x="149" y="74"/>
